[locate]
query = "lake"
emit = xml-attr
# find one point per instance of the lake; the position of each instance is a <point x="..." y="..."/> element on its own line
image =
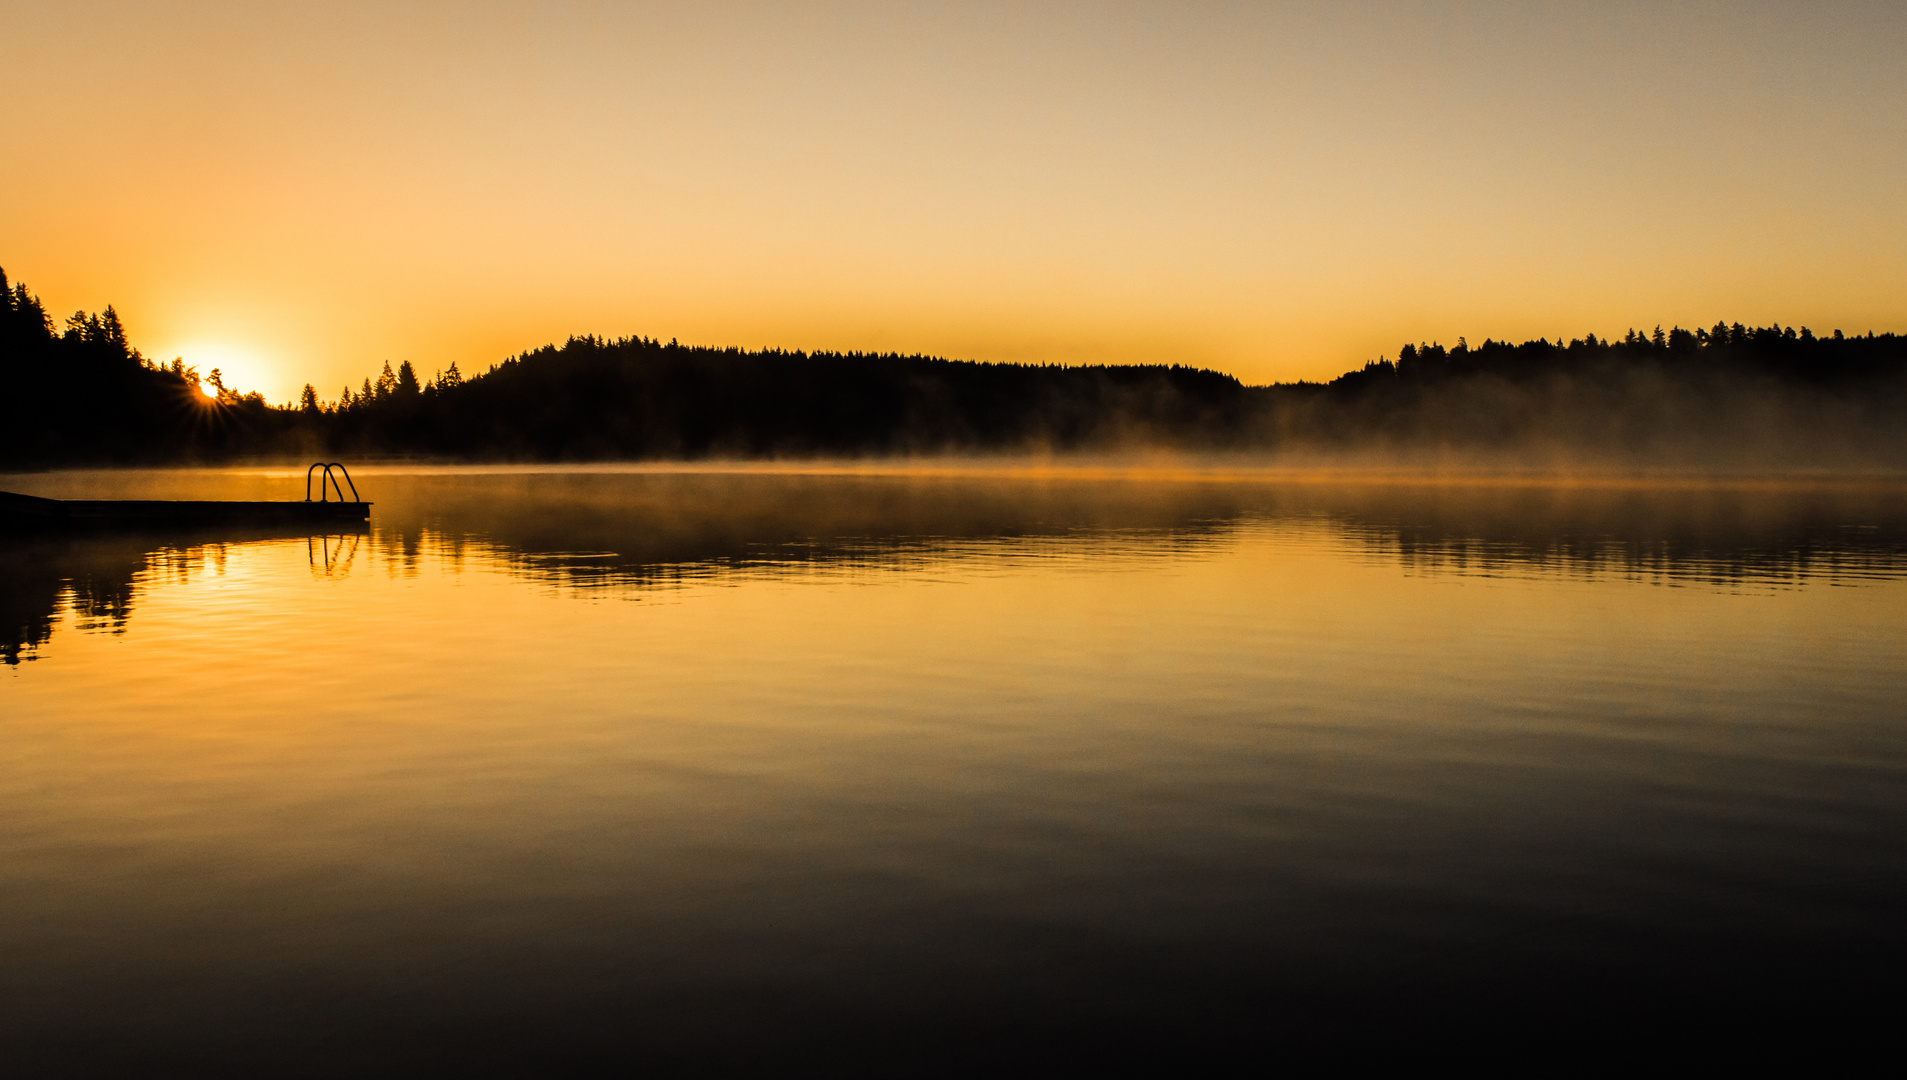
<point x="944" y="767"/>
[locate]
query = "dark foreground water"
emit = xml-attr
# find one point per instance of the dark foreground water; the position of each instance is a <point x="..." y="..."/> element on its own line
<point x="706" y="771"/>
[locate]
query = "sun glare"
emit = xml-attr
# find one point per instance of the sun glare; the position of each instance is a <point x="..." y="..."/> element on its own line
<point x="238" y="369"/>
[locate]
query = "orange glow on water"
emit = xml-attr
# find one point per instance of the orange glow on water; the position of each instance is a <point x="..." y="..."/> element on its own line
<point x="833" y="729"/>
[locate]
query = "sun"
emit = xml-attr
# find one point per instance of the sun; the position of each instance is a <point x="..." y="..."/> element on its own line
<point x="239" y="368"/>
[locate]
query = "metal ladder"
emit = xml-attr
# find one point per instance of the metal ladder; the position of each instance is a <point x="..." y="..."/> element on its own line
<point x="324" y="493"/>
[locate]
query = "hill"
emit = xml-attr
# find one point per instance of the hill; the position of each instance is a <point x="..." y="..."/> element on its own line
<point x="1727" y="396"/>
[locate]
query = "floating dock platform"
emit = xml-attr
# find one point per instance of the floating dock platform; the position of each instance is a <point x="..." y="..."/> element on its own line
<point x="29" y="510"/>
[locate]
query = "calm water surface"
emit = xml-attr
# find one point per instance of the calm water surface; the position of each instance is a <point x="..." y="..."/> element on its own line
<point x="572" y="770"/>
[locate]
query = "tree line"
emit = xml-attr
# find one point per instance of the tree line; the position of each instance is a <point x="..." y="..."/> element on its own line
<point x="637" y="397"/>
<point x="1775" y="351"/>
<point x="81" y="394"/>
<point x="1731" y="395"/>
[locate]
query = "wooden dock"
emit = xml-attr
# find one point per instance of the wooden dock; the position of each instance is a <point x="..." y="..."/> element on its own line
<point x="28" y="511"/>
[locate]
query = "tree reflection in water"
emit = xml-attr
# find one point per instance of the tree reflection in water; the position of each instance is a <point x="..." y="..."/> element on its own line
<point x="640" y="531"/>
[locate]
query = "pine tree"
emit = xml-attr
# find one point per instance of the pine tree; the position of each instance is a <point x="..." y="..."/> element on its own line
<point x="112" y="333"/>
<point x="82" y="328"/>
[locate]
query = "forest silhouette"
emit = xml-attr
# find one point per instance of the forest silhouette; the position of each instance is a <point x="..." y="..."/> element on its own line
<point x="1727" y="395"/>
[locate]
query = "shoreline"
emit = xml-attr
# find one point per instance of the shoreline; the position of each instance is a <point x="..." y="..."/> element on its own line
<point x="1154" y="469"/>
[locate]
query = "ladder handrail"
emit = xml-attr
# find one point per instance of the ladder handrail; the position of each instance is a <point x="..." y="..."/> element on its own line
<point x="324" y="493"/>
<point x="347" y="479"/>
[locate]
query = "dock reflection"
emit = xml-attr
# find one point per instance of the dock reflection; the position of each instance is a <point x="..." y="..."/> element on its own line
<point x="332" y="556"/>
<point x="97" y="578"/>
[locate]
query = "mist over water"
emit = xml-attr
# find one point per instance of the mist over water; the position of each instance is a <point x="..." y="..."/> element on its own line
<point x="858" y="766"/>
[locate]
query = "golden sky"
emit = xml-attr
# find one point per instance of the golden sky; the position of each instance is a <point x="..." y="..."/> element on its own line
<point x="300" y="192"/>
